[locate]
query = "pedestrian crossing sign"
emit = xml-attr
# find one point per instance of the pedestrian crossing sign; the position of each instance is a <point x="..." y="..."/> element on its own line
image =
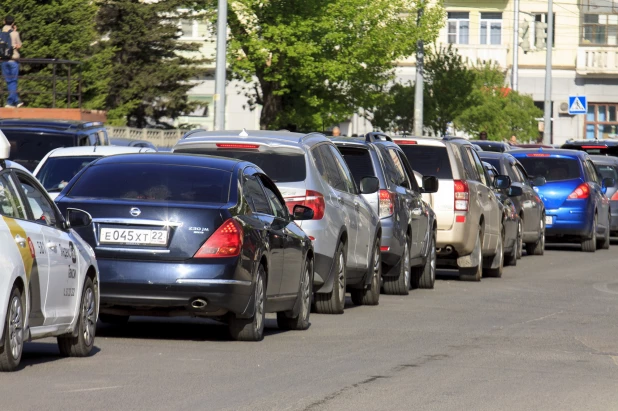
<point x="578" y="105"/>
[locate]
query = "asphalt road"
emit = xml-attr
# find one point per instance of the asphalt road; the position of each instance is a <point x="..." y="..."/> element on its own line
<point x="545" y="336"/>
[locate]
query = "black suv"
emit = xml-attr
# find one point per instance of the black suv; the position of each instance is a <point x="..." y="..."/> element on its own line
<point x="31" y="140"/>
<point x="593" y="147"/>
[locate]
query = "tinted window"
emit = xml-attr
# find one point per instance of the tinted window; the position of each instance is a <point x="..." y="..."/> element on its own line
<point x="493" y="161"/>
<point x="10" y="205"/>
<point x="608" y="171"/>
<point x="43" y="211"/>
<point x="275" y="203"/>
<point x="58" y="171"/>
<point x="429" y="160"/>
<point x="409" y="172"/>
<point x="344" y="171"/>
<point x="255" y="195"/>
<point x="478" y="164"/>
<point x="594" y="175"/>
<point x="399" y="177"/>
<point x="490" y="146"/>
<point x="329" y="169"/>
<point x="552" y="168"/>
<point x="153" y="182"/>
<point x="28" y="148"/>
<point x="359" y="162"/>
<point x="281" y="167"/>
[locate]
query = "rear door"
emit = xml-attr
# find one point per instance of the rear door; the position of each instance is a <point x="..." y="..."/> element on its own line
<point x="532" y="203"/>
<point x="418" y="209"/>
<point x="600" y="199"/>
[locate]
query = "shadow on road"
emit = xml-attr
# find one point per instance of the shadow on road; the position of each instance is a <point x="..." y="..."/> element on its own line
<point x="43" y="352"/>
<point x="562" y="247"/>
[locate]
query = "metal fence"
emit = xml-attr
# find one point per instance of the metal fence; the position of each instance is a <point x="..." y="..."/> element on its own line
<point x="160" y="138"/>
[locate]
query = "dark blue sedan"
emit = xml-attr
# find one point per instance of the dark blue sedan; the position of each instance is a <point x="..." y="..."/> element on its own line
<point x="573" y="191"/>
<point x="193" y="235"/>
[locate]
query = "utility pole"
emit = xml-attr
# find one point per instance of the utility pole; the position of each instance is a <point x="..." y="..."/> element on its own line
<point x="549" y="46"/>
<point x="219" y="97"/>
<point x="418" y="87"/>
<point x="515" y="69"/>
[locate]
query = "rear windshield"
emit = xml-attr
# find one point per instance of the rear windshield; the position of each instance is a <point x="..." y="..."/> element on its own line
<point x="280" y="167"/>
<point x="359" y="162"/>
<point x="28" y="148"/>
<point x="553" y="169"/>
<point x="486" y="146"/>
<point x="153" y="182"/>
<point x="607" y="171"/>
<point x="429" y="160"/>
<point x="594" y="149"/>
<point x="58" y="171"/>
<point x="493" y="161"/>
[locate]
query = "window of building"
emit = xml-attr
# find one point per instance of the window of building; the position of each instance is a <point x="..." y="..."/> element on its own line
<point x="601" y="121"/>
<point x="600" y="29"/>
<point x="187" y="28"/>
<point x="458" y="28"/>
<point x="491" y="28"/>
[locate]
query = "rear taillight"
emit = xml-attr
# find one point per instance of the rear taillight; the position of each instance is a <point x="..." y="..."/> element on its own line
<point x="311" y="199"/>
<point x="580" y="193"/>
<point x="615" y="196"/>
<point x="225" y="242"/>
<point x="387" y="203"/>
<point x="238" y="145"/>
<point x="462" y="195"/>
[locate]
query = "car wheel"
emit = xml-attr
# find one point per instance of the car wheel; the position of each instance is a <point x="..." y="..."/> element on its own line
<point x="428" y="276"/>
<point x="474" y="273"/>
<point x="334" y="301"/>
<point x="589" y="245"/>
<point x="371" y="295"/>
<point x="113" y="319"/>
<point x="301" y="321"/>
<point x="497" y="272"/>
<point x="252" y="329"/>
<point x="81" y="345"/>
<point x="538" y="248"/>
<point x="511" y="258"/>
<point x="10" y="353"/>
<point x="604" y="244"/>
<point x="521" y="246"/>
<point x="400" y="285"/>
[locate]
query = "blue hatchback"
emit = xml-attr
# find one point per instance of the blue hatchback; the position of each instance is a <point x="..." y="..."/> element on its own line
<point x="577" y="209"/>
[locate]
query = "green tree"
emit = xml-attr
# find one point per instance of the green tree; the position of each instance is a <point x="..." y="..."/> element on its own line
<point x="498" y="111"/>
<point x="395" y="111"/>
<point x="448" y="90"/>
<point x="150" y="72"/>
<point x="315" y="62"/>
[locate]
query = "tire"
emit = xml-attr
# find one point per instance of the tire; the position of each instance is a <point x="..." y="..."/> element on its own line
<point x="252" y="329"/>
<point x="538" y="248"/>
<point x="427" y="278"/>
<point x="82" y="344"/>
<point x="113" y="319"/>
<point x="589" y="245"/>
<point x="474" y="273"/>
<point x="371" y="295"/>
<point x="497" y="272"/>
<point x="10" y="353"/>
<point x="301" y="321"/>
<point x="520" y="250"/>
<point x="511" y="258"/>
<point x="334" y="301"/>
<point x="401" y="284"/>
<point x="604" y="244"/>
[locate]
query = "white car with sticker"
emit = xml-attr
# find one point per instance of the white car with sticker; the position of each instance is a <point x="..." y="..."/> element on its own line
<point x="50" y="279"/>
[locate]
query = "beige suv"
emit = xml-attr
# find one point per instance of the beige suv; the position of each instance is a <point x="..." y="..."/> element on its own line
<point x="468" y="212"/>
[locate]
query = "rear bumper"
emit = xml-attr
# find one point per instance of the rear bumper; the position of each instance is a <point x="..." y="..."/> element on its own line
<point x="138" y="287"/>
<point x="461" y="237"/>
<point x="569" y="221"/>
<point x="613" y="223"/>
<point x="393" y="244"/>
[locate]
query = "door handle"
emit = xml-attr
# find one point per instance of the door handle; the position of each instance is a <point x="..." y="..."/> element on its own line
<point x="51" y="246"/>
<point x="20" y="240"/>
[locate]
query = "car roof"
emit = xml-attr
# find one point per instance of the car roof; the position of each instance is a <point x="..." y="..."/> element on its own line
<point x="16" y="166"/>
<point x="591" y="143"/>
<point x="551" y="151"/>
<point x="421" y="141"/>
<point x="195" y="160"/>
<point x="487" y="142"/>
<point x="49" y="124"/>
<point x="604" y="159"/>
<point x="96" y="150"/>
<point x="264" y="137"/>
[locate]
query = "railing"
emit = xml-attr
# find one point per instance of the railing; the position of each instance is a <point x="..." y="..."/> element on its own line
<point x="597" y="60"/>
<point x="160" y="138"/>
<point x="42" y="80"/>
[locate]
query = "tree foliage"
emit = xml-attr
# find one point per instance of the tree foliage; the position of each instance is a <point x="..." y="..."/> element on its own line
<point x="395" y="112"/>
<point x="316" y="62"/>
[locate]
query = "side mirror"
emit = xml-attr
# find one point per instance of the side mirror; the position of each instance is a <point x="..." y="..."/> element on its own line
<point x="302" y="212"/>
<point x="502" y="182"/>
<point x="369" y="185"/>
<point x="539" y="181"/>
<point x="515" y="191"/>
<point x="608" y="182"/>
<point x="430" y="184"/>
<point x="78" y="218"/>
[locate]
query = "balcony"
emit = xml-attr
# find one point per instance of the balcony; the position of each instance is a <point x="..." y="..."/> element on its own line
<point x="483" y="53"/>
<point x="597" y="60"/>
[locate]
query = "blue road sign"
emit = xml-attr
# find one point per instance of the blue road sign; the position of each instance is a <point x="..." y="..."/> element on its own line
<point x="578" y="105"/>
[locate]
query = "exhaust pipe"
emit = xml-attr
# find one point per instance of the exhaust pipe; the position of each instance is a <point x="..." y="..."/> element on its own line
<point x="449" y="249"/>
<point x="198" y="304"/>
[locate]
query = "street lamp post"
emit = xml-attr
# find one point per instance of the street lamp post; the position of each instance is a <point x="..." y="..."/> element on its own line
<point x="418" y="86"/>
<point x="219" y="97"/>
<point x="549" y="42"/>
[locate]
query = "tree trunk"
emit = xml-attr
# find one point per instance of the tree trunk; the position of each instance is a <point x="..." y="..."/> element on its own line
<point x="271" y="106"/>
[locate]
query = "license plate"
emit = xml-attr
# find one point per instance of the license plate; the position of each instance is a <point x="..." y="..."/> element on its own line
<point x="549" y="220"/>
<point x="132" y="236"/>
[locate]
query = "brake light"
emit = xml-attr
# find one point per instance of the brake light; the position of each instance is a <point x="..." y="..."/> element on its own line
<point x="462" y="195"/>
<point x="615" y="196"/>
<point x="593" y="147"/>
<point x="234" y="145"/>
<point x="406" y="142"/>
<point x="384" y="248"/>
<point x="538" y="155"/>
<point x="225" y="242"/>
<point x="580" y="193"/>
<point x="311" y="199"/>
<point x="387" y="203"/>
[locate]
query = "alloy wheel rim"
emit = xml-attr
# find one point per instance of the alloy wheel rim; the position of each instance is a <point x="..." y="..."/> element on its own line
<point x="341" y="277"/>
<point x="432" y="261"/>
<point x="376" y="265"/>
<point x="89" y="317"/>
<point x="16" y="329"/>
<point x="306" y="294"/>
<point x="259" y="308"/>
<point x="406" y="263"/>
<point x="520" y="238"/>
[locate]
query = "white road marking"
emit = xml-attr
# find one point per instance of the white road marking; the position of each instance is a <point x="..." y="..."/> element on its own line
<point x="93" y="389"/>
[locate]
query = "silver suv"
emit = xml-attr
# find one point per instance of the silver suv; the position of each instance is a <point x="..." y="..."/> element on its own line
<point x="408" y="223"/>
<point x="468" y="211"/>
<point x="309" y="170"/>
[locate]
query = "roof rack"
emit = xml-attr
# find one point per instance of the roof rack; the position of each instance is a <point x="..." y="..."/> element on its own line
<point x="191" y="132"/>
<point x="376" y="136"/>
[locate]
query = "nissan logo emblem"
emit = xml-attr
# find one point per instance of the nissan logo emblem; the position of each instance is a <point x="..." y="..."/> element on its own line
<point x="135" y="211"/>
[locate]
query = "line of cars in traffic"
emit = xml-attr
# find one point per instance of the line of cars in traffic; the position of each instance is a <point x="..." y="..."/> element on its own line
<point x="232" y="225"/>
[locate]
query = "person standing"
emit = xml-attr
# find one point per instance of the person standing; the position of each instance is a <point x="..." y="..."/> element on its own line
<point x="483" y="135"/>
<point x="10" y="68"/>
<point x="336" y="132"/>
